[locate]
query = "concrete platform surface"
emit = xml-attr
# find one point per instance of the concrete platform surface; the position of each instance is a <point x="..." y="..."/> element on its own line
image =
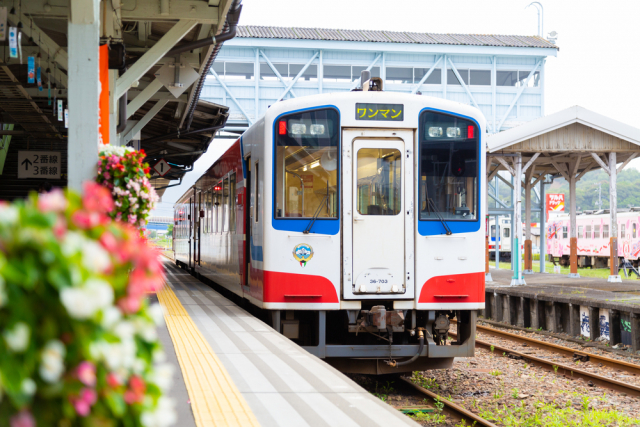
<point x="282" y="384"/>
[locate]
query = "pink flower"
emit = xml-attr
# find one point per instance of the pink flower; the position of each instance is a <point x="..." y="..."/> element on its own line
<point x="136" y="390"/>
<point x="109" y="241"/>
<point x="87" y="373"/>
<point x="53" y="201"/>
<point x="85" y="220"/>
<point x="129" y="304"/>
<point x="23" y="419"/>
<point x="89" y="395"/>
<point x="84" y="401"/>
<point x="96" y="198"/>
<point x="113" y="380"/>
<point x="60" y="227"/>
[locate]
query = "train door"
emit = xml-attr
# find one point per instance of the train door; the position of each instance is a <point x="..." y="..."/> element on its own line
<point x="378" y="200"/>
<point x="190" y="231"/>
<point x="248" y="225"/>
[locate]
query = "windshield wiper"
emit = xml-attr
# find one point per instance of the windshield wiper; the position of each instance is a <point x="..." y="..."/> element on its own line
<point x="315" y="215"/>
<point x="432" y="207"/>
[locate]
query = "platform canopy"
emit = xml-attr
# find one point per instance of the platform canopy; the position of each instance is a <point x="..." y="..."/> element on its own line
<point x="566" y="144"/>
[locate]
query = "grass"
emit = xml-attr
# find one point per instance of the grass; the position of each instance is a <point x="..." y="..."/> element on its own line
<point x="554" y="415"/>
<point x="601" y="273"/>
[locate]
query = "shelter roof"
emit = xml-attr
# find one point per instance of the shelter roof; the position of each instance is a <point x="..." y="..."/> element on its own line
<point x="573" y="129"/>
<point x="381" y="36"/>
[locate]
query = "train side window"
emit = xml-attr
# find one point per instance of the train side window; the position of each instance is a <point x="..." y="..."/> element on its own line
<point x="622" y="231"/>
<point x="232" y="202"/>
<point x="225" y="204"/>
<point x="506" y="232"/>
<point x="210" y="209"/>
<point x="257" y="191"/>
<point x="580" y="235"/>
<point x="589" y="236"/>
<point x="564" y="232"/>
<point x="633" y="230"/>
<point x="605" y="231"/>
<point x="596" y="232"/>
<point x="493" y="231"/>
<point x="218" y="204"/>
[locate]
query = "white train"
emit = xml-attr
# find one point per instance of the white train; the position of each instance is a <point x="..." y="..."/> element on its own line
<point x="353" y="223"/>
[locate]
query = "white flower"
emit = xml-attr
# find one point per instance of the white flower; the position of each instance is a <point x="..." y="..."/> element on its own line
<point x="124" y="330"/>
<point x="156" y="313"/>
<point x="28" y="387"/>
<point x="162" y="376"/>
<point x="82" y="302"/>
<point x="8" y="214"/>
<point x="110" y="317"/>
<point x="138" y="366"/>
<point x="158" y="356"/>
<point x="17" y="338"/>
<point x="164" y="414"/>
<point x="94" y="257"/>
<point x="109" y="150"/>
<point x="52" y="361"/>
<point x="145" y="329"/>
<point x="72" y="243"/>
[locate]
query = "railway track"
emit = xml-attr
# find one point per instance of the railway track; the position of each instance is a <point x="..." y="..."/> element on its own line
<point x="567" y="371"/>
<point x="468" y="416"/>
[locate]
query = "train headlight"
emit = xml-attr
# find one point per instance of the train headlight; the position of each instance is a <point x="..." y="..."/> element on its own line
<point x="317" y="129"/>
<point x="435" y="132"/>
<point x="453" y="132"/>
<point x="298" y="128"/>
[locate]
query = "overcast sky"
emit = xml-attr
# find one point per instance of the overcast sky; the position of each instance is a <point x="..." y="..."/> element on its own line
<point x="595" y="68"/>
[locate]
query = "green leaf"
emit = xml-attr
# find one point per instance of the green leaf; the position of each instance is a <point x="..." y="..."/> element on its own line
<point x="116" y="404"/>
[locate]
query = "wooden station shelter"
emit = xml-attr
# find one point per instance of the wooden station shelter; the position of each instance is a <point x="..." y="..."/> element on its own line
<point x="566" y="144"/>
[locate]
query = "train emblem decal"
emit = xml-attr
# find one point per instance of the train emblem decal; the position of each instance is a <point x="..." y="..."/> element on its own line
<point x="303" y="253"/>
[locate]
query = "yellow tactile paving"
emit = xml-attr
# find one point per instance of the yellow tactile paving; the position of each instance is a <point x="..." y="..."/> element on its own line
<point x="215" y="400"/>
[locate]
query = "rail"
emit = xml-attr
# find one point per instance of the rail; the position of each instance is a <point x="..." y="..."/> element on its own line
<point x="469" y="416"/>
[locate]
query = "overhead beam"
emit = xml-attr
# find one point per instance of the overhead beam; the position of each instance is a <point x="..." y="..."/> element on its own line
<point x="135" y="10"/>
<point x="506" y="165"/>
<point x="143" y="97"/>
<point x="233" y="98"/>
<point x="149" y="59"/>
<point x="276" y="72"/>
<point x="295" y="80"/>
<point x="426" y="76"/>
<point x="626" y="162"/>
<point x="524" y="86"/>
<point x="143" y="121"/>
<point x="530" y="162"/>
<point x="601" y="163"/>
<point x="464" y="85"/>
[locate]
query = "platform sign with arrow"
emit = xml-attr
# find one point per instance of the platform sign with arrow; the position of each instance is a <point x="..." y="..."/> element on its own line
<point x="39" y="164"/>
<point x="162" y="167"/>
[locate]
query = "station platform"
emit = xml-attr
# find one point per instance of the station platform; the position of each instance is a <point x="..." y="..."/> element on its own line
<point x="586" y="307"/>
<point x="235" y="370"/>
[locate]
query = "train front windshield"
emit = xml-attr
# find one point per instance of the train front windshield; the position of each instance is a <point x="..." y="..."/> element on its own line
<point x="306" y="175"/>
<point x="448" y="168"/>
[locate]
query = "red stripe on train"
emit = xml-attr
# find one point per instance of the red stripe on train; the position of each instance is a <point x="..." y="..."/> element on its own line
<point x="299" y="288"/>
<point x="453" y="288"/>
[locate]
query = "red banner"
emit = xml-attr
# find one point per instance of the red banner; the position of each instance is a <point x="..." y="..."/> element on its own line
<point x="555" y="203"/>
<point x="103" y="122"/>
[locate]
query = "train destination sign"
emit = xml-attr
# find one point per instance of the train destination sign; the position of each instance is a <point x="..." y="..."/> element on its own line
<point x="384" y="112"/>
<point x="39" y="164"/>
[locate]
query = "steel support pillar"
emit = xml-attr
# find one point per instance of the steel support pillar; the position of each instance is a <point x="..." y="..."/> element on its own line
<point x="487" y="273"/>
<point x="516" y="257"/>
<point x="613" y="229"/>
<point x="84" y="91"/>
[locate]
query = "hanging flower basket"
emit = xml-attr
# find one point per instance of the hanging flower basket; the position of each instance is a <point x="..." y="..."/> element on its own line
<point x="78" y="344"/>
<point x="122" y="171"/>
